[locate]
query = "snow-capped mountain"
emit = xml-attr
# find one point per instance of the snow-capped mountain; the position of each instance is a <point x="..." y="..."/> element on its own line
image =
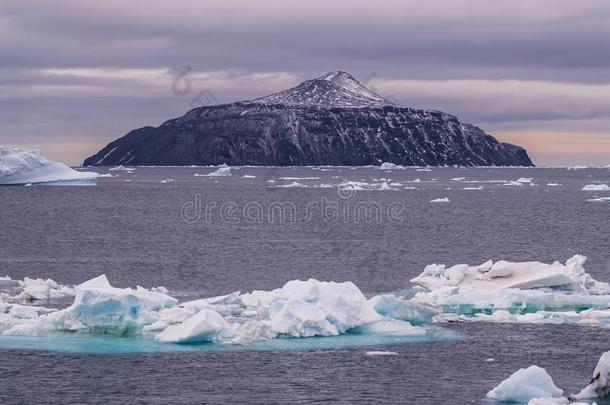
<point x="334" y="89"/>
<point x="331" y="120"/>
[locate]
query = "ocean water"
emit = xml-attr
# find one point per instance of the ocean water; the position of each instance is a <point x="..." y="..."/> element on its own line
<point x="200" y="236"/>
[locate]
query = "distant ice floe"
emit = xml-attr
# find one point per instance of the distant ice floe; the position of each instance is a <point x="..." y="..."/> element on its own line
<point x="390" y="166"/>
<point x="222" y="171"/>
<point x="248" y="176"/>
<point x="122" y="168"/>
<point x="106" y="175"/>
<point x="440" y="200"/>
<point x="600" y="199"/>
<point x="29" y="167"/>
<point x="553" y="184"/>
<point x="534" y="386"/>
<point x="381" y="353"/>
<point x="298" y="309"/>
<point x="596" y="187"/>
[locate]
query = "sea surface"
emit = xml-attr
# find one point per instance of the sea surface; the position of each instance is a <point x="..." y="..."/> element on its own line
<point x="201" y="236"/>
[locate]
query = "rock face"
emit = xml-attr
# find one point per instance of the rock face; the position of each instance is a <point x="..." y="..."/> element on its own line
<point x="331" y="120"/>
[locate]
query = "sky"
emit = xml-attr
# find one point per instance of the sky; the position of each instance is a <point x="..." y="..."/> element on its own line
<point x="75" y="75"/>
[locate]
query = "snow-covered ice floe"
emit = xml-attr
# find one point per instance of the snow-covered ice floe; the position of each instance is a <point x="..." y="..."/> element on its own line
<point x="525" y="385"/>
<point x="520" y="292"/>
<point x="600" y="199"/>
<point x="534" y="386"/>
<point x="596" y="187"/>
<point x="222" y="171"/>
<point x="22" y="166"/>
<point x="300" y="309"/>
<point x="390" y="166"/>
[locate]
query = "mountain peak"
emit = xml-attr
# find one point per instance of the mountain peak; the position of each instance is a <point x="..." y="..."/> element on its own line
<point x="334" y="89"/>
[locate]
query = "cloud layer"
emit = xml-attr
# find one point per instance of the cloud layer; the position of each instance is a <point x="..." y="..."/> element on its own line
<point x="75" y="75"/>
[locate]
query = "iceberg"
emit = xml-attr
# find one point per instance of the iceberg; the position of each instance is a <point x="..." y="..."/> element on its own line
<point x="122" y="168"/>
<point x="599" y="387"/>
<point x="100" y="308"/>
<point x="516" y="287"/>
<point x="39" y="289"/>
<point x="524" y="385"/>
<point x="390" y="166"/>
<point x="440" y="200"/>
<point x="222" y="171"/>
<point x="299" y="309"/>
<point x="381" y="353"/>
<point x="22" y="166"/>
<point x="601" y="199"/>
<point x="596" y="187"/>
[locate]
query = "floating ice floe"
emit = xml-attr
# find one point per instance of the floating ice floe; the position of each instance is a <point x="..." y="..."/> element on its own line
<point x="440" y="200"/>
<point x="248" y="176"/>
<point x="477" y="292"/>
<point x="39" y="289"/>
<point x="222" y="171"/>
<point x="596" y="187"/>
<point x="106" y="175"/>
<point x="600" y="383"/>
<point x="299" y="178"/>
<point x="294" y="184"/>
<point x="122" y="168"/>
<point x="535" y="386"/>
<point x="600" y="199"/>
<point x="381" y="353"/>
<point x="390" y="166"/>
<point x="553" y="184"/>
<point x="298" y="309"/>
<point x="524" y="385"/>
<point x="22" y="166"/>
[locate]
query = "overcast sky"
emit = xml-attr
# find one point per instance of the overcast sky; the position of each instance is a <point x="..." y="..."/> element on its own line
<point x="75" y="75"/>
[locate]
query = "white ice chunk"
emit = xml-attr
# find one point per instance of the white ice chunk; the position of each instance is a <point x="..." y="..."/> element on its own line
<point x="596" y="187"/>
<point x="22" y="166"/>
<point x="381" y="353"/>
<point x="101" y="308"/>
<point x="440" y="200"/>
<point x="600" y="383"/>
<point x="513" y="275"/>
<point x="526" y="384"/>
<point x="39" y="289"/>
<point x="390" y="166"/>
<point x="205" y="326"/>
<point x="222" y="171"/>
<point x="398" y="308"/>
